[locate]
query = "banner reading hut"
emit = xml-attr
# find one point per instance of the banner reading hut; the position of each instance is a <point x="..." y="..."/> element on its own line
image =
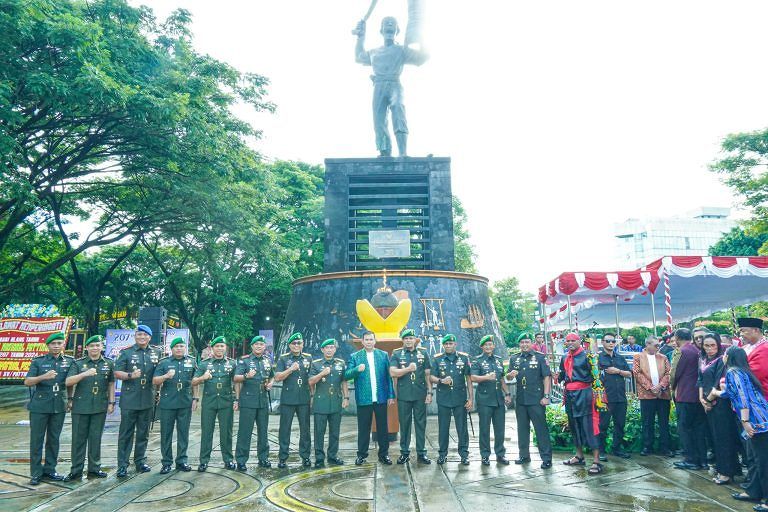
<point x="21" y="339"/>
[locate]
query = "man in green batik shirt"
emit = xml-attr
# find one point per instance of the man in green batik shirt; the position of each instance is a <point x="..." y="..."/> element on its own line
<point x="410" y="368"/>
<point x="253" y="382"/>
<point x="451" y="373"/>
<point x="93" y="398"/>
<point x="331" y="395"/>
<point x="293" y="372"/>
<point x="216" y="374"/>
<point x="47" y="408"/>
<point x="492" y="397"/>
<point x="174" y="375"/>
<point x="135" y="366"/>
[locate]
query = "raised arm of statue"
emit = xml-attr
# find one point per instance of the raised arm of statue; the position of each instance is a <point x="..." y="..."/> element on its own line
<point x="361" y="56"/>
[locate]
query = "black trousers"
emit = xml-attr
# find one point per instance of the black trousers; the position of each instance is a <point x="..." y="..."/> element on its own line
<point x="617" y="411"/>
<point x="650" y="410"/>
<point x="333" y="422"/>
<point x="693" y="425"/>
<point x="365" y="414"/>
<point x="536" y="414"/>
<point x="491" y="415"/>
<point x="284" y="433"/>
<point x="459" y="414"/>
<point x="412" y="413"/>
<point x="133" y="422"/>
<point x="758" y="487"/>
<point x="723" y="426"/>
<point x="44" y="431"/>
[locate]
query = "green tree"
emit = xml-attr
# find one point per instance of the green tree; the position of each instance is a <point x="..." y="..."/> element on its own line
<point x="464" y="252"/>
<point x="514" y="308"/>
<point x="741" y="241"/>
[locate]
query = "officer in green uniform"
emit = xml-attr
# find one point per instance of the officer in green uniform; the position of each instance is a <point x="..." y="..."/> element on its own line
<point x="93" y="397"/>
<point x="217" y="372"/>
<point x="293" y="372"/>
<point x="135" y="366"/>
<point x="253" y="382"/>
<point x="455" y="394"/>
<point x="47" y="408"/>
<point x="534" y="380"/>
<point x="331" y="395"/>
<point x="174" y="375"/>
<point x="492" y="397"/>
<point x="410" y="367"/>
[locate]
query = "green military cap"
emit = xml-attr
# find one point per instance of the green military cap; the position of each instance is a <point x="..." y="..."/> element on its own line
<point x="178" y="340"/>
<point x="94" y="339"/>
<point x="258" y="339"/>
<point x="329" y="341"/>
<point x="448" y="337"/>
<point x="485" y="339"/>
<point x="55" y="336"/>
<point x="408" y="332"/>
<point x="524" y="336"/>
<point x="295" y="337"/>
<point x="217" y="340"/>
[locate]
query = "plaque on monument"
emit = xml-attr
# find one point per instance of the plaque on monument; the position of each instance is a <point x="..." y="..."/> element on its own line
<point x="389" y="243"/>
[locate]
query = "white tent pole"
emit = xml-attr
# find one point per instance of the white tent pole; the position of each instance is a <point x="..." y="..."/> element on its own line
<point x="570" y="314"/>
<point x="616" y="302"/>
<point x="653" y="312"/>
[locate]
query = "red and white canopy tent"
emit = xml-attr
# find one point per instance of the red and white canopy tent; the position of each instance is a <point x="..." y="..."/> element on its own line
<point x="675" y="288"/>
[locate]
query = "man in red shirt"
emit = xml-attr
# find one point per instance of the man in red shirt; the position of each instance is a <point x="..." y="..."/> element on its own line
<point x="754" y="344"/>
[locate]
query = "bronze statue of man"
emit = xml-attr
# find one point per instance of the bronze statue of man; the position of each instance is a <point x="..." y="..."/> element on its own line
<point x="387" y="62"/>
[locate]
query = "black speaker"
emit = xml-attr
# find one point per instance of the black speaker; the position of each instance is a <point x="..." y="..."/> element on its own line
<point x="154" y="318"/>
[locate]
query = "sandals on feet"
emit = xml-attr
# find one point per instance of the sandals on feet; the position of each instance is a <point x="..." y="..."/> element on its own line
<point x="574" y="461"/>
<point x="595" y="469"/>
<point x="720" y="480"/>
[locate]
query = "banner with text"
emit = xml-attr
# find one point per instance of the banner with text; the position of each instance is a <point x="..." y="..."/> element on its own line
<point x="21" y="339"/>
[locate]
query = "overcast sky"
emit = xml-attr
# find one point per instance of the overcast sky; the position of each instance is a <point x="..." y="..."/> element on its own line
<point x="561" y="117"/>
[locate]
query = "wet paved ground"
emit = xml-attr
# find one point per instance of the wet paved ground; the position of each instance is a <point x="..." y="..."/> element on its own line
<point x="641" y="483"/>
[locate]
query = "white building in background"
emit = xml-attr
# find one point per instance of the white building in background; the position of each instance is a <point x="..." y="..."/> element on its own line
<point x="641" y="241"/>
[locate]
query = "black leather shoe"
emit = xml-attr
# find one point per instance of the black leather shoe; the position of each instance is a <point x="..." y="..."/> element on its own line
<point x="688" y="465"/>
<point x="335" y="461"/>
<point x="230" y="465"/>
<point x="485" y="461"/>
<point x="143" y="468"/>
<point x="546" y="464"/>
<point x="73" y="477"/>
<point x="122" y="472"/>
<point x="359" y="461"/>
<point x="423" y="459"/>
<point x="502" y="460"/>
<point x="403" y="459"/>
<point x="441" y="460"/>
<point x="242" y="468"/>
<point x="319" y="464"/>
<point x="35" y="480"/>
<point x="183" y="467"/>
<point x="281" y="464"/>
<point x="165" y="469"/>
<point x="54" y="477"/>
<point x="265" y="464"/>
<point x="384" y="459"/>
<point x="202" y="467"/>
<point x="306" y="463"/>
<point x="602" y="457"/>
<point x="645" y="451"/>
<point x="522" y="460"/>
<point x="622" y="454"/>
<point x="465" y="461"/>
<point x="97" y="474"/>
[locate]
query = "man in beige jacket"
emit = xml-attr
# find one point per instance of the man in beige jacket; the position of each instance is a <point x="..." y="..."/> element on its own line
<point x="651" y="371"/>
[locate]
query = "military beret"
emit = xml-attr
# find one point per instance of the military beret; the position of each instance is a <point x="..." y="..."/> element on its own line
<point x="144" y="328"/>
<point x="757" y="323"/>
<point x="485" y="339"/>
<point x="55" y="336"/>
<point x="524" y="336"/>
<point x="448" y="337"/>
<point x="258" y="339"/>
<point x="329" y="341"/>
<point x="94" y="339"/>
<point x="572" y="336"/>
<point x="217" y="340"/>
<point x="176" y="341"/>
<point x="408" y="332"/>
<point x="295" y="337"/>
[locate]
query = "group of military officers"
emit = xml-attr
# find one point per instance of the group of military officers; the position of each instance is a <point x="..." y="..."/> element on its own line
<point x="86" y="388"/>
